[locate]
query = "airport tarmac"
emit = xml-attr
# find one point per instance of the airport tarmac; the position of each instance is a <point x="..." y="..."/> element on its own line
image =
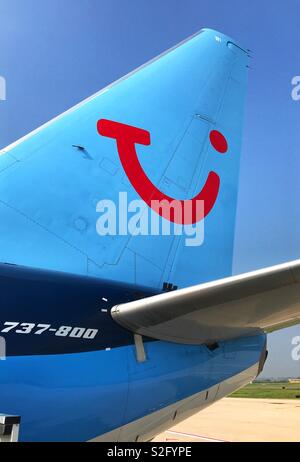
<point x="240" y="420"/>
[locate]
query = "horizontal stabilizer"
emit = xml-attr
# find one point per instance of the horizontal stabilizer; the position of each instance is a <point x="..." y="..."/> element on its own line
<point x="264" y="300"/>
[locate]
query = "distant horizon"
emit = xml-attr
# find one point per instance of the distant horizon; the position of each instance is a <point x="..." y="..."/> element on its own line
<point x="275" y="379"/>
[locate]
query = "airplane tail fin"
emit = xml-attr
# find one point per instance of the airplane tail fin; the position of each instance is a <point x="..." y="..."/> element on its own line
<point x="81" y="193"/>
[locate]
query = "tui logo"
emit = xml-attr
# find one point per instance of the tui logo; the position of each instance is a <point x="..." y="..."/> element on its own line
<point x="127" y="137"/>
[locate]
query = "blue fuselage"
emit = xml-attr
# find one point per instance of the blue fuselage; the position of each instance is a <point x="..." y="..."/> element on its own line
<point x="71" y="372"/>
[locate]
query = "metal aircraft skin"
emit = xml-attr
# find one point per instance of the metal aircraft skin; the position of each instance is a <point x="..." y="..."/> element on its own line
<point x="118" y="337"/>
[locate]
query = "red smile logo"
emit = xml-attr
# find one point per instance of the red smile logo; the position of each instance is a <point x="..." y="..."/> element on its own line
<point x="127" y="137"/>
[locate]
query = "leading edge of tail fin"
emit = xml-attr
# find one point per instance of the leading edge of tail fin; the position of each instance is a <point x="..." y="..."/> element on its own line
<point x="139" y="182"/>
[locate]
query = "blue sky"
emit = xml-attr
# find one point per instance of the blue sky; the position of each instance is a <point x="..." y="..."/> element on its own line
<point x="54" y="53"/>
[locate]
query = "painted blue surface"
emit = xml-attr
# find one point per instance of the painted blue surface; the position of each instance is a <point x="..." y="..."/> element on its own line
<point x="60" y="299"/>
<point x="80" y="396"/>
<point x="49" y="189"/>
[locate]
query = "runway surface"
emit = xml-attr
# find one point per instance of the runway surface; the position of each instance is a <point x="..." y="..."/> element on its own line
<point x="240" y="419"/>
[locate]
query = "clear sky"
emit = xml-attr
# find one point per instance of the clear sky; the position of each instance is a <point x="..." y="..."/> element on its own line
<point x="54" y="53"/>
